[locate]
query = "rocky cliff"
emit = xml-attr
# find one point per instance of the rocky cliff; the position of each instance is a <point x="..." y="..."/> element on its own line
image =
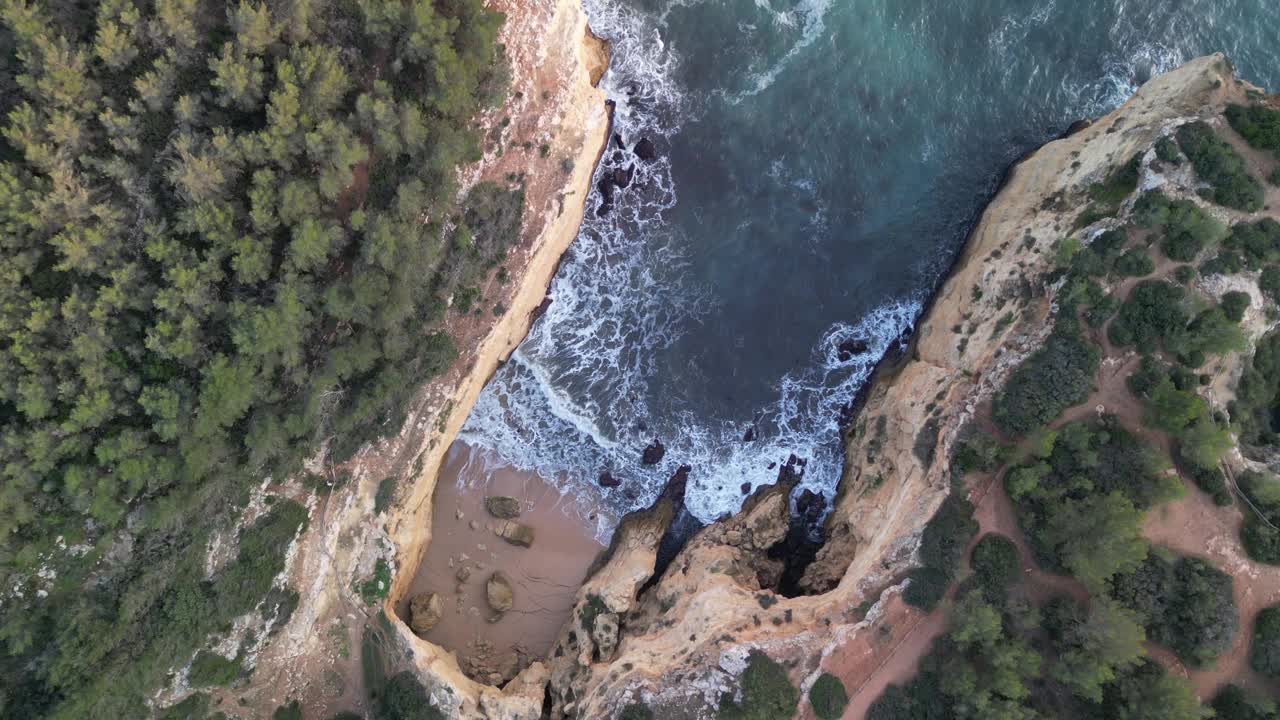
<point x="677" y="642"/>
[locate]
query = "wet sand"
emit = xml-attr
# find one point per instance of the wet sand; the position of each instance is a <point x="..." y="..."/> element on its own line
<point x="545" y="576"/>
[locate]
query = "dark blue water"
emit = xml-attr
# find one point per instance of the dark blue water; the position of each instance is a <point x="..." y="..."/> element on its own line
<point x="820" y="164"/>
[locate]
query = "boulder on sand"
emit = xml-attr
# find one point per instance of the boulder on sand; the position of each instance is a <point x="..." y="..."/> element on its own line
<point x="499" y="593"/>
<point x="516" y="533"/>
<point x="425" y="610"/>
<point x="502" y="507"/>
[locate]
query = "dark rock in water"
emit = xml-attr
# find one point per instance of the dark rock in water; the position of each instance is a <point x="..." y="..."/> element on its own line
<point x="622" y="176"/>
<point x="646" y="150"/>
<point x="618" y="157"/>
<point x="678" y="480"/>
<point x="1076" y="127"/>
<point x="809" y="505"/>
<point x="851" y="347"/>
<point x="772" y="465"/>
<point x="746" y="488"/>
<point x="608" y="480"/>
<point x="617" y="139"/>
<point x="792" y="470"/>
<point x="654" y="453"/>
<point x="642" y="426"/>
<point x="750" y="434"/>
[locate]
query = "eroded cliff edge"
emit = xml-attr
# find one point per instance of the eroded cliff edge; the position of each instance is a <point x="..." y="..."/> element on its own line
<point x="677" y="643"/>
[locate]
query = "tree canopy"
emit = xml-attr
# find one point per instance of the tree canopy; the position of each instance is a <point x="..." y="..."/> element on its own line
<point x="228" y="230"/>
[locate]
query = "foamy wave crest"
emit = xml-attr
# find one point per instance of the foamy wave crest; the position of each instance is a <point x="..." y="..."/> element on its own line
<point x="809" y="17"/>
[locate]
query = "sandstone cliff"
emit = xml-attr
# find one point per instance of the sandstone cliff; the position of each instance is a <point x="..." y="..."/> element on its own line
<point x="677" y="642"/>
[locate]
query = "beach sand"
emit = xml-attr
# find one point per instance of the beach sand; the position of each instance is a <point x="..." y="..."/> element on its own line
<point x="545" y="576"/>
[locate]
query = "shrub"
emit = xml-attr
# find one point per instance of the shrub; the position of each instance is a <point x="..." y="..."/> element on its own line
<point x="1234" y="304"/>
<point x="1264" y="651"/>
<point x="377" y="585"/>
<point x="1218" y="164"/>
<point x="1269" y="282"/>
<point x="1151" y="317"/>
<point x="1258" y="534"/>
<point x="404" y="698"/>
<point x="1211" y="481"/>
<point x="1257" y="124"/>
<point x="1119" y="184"/>
<point x="1187" y="229"/>
<point x="1167" y="151"/>
<point x="927" y="588"/>
<point x="1055" y="377"/>
<point x="1235" y="703"/>
<point x="1134" y="262"/>
<point x="385" y="495"/>
<point x="767" y="692"/>
<point x="1148" y="692"/>
<point x="828" y="697"/>
<point x="210" y="668"/>
<point x="1256" y="243"/>
<point x="289" y="711"/>
<point x="1257" y="392"/>
<point x="1184" y="274"/>
<point x="1185" y="602"/>
<point x="996" y="564"/>
<point x="947" y="534"/>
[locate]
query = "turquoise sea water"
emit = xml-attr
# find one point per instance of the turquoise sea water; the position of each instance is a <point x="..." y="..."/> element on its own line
<point x="819" y="164"/>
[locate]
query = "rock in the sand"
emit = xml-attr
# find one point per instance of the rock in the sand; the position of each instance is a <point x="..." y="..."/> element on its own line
<point x="607" y="480"/>
<point x="502" y="507"/>
<point x="463" y="574"/>
<point x="654" y="453"/>
<point x="425" y="610"/>
<point x="646" y="150"/>
<point x="516" y="533"/>
<point x="499" y="593"/>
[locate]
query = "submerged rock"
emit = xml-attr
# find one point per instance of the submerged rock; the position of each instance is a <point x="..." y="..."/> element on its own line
<point x="499" y="593"/>
<point x="425" y="611"/>
<point x="502" y="507"/>
<point x="853" y="346"/>
<point x="654" y="453"/>
<point x="516" y="534"/>
<point x="607" y="480"/>
<point x="646" y="150"/>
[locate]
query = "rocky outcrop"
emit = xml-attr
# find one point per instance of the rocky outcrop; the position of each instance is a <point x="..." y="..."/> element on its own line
<point x="425" y="611"/>
<point x="502" y="507"/>
<point x="499" y="593"/>
<point x="683" y="637"/>
<point x="516" y="533"/>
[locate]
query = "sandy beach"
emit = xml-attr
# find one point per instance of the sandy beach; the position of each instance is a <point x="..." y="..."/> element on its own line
<point x="466" y="550"/>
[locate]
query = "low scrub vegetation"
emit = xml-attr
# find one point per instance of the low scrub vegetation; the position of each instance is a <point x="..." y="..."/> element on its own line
<point x="942" y="547"/>
<point x="1219" y="165"/>
<point x="766" y="691"/>
<point x="1185" y="604"/>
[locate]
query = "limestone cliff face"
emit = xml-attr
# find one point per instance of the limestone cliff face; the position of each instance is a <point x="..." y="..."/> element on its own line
<point x="679" y="643"/>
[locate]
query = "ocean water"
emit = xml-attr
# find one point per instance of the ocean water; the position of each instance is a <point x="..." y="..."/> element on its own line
<point x="819" y="165"/>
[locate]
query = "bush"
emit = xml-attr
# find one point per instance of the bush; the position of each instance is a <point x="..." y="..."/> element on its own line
<point x="289" y="711"/>
<point x="927" y="588"/>
<point x="942" y="546"/>
<point x="1269" y="282"/>
<point x="996" y="564"/>
<point x="1135" y="262"/>
<point x="1257" y="124"/>
<point x="385" y="495"/>
<point x="1258" y="534"/>
<point x="1264" y="651"/>
<point x="1119" y="184"/>
<point x="1151" y="317"/>
<point x="1055" y="377"/>
<point x="1218" y="164"/>
<point x="1234" y="304"/>
<point x="1256" y="243"/>
<point x="767" y="692"/>
<point x="1185" y="602"/>
<point x="404" y="698"/>
<point x="212" y="669"/>
<point x="1167" y="151"/>
<point x="1235" y="703"/>
<point x="1257" y="392"/>
<point x="1187" y="229"/>
<point x="1148" y="692"/>
<point x="1212" y="482"/>
<point x="828" y="697"/>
